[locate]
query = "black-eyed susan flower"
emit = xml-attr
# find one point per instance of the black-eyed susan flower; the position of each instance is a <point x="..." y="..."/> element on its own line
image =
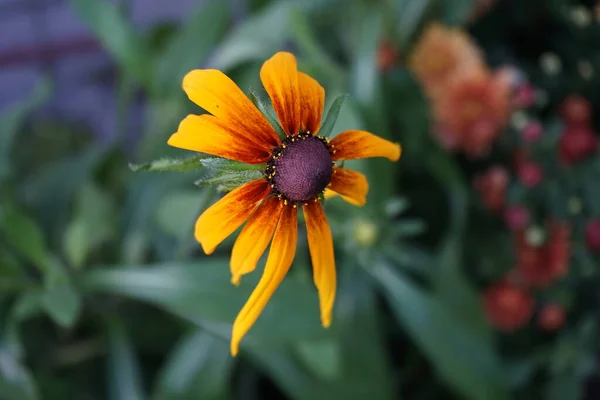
<point x="297" y="170"/>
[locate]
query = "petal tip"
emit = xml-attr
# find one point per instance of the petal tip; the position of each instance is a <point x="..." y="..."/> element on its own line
<point x="326" y="320"/>
<point x="397" y="152"/>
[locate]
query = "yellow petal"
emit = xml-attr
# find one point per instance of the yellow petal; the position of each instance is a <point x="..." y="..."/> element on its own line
<point x="279" y="261"/>
<point x="222" y="218"/>
<point x="350" y="145"/>
<point x="254" y="238"/>
<point x="351" y="185"/>
<point x="279" y="76"/>
<point x="220" y="96"/>
<point x="320" y="245"/>
<point x="208" y="134"/>
<point x="312" y="99"/>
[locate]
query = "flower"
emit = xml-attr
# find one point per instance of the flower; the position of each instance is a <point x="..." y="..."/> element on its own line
<point x="551" y="317"/>
<point x="532" y="132"/>
<point x="524" y="96"/>
<point x="297" y="169"/>
<point x="439" y="54"/>
<point x="592" y="235"/>
<point x="577" y="144"/>
<point x="530" y="174"/>
<point x="492" y="185"/>
<point x="576" y="110"/>
<point x="540" y="264"/>
<point x="517" y="217"/>
<point x="507" y="306"/>
<point x="474" y="109"/>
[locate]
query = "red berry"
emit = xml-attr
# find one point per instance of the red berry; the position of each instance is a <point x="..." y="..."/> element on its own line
<point x="508" y="307"/>
<point x="592" y="235"/>
<point x="576" y="144"/>
<point x="576" y="110"/>
<point x="530" y="174"/>
<point x="551" y="317"/>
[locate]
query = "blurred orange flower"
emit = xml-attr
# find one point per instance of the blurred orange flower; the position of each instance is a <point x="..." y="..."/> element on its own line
<point x="507" y="306"/>
<point x="541" y="264"/>
<point x="470" y="103"/>
<point x="440" y="53"/>
<point x="473" y="110"/>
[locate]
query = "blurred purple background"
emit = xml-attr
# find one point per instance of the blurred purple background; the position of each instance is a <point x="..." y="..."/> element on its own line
<point x="40" y="37"/>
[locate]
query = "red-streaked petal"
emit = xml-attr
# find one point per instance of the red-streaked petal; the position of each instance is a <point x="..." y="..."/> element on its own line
<point x="279" y="76"/>
<point x="220" y="96"/>
<point x="279" y="261"/>
<point x="208" y="134"/>
<point x="351" y="185"/>
<point x="320" y="245"/>
<point x="312" y="100"/>
<point x="350" y="145"/>
<point x="222" y="218"/>
<point x="254" y="238"/>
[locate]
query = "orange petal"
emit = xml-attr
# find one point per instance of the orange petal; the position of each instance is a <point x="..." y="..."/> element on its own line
<point x="350" y="145"/>
<point x="254" y="238"/>
<point x="312" y="100"/>
<point x="320" y="245"/>
<point x="351" y="185"/>
<point x="279" y="261"/>
<point x="279" y="75"/>
<point x="226" y="215"/>
<point x="208" y="134"/>
<point x="220" y="96"/>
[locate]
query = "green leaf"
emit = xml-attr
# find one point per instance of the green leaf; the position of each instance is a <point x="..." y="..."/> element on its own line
<point x="198" y="368"/>
<point x="222" y="164"/>
<point x="171" y="164"/>
<point x="457" y="12"/>
<point x="463" y="358"/>
<point x="364" y="75"/>
<point x="93" y="223"/>
<point x="59" y="299"/>
<point x="23" y="233"/>
<point x="191" y="45"/>
<point x="177" y="213"/>
<point x="267" y="112"/>
<point x="227" y="181"/>
<point x="202" y="293"/>
<point x="118" y="36"/>
<point x="410" y="15"/>
<point x="124" y="381"/>
<point x="332" y="115"/>
<point x="16" y="381"/>
<point x="256" y="39"/>
<point x="13" y="117"/>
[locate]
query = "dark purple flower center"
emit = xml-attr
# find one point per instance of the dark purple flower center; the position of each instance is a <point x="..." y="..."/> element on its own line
<point x="300" y="168"/>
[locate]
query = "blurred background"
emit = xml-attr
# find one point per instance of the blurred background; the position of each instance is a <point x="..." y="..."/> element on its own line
<point x="471" y="273"/>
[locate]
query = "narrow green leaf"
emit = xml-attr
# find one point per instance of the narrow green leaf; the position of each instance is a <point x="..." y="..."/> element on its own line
<point x="118" y="36"/>
<point x="23" y="233"/>
<point x="59" y="299"/>
<point x="171" y="164"/>
<point x="76" y="242"/>
<point x="463" y="358"/>
<point x="226" y="181"/>
<point x="222" y="164"/>
<point x="257" y="38"/>
<point x="410" y="15"/>
<point x="16" y="382"/>
<point x="266" y="111"/>
<point x="364" y="74"/>
<point x="11" y="119"/>
<point x="202" y="293"/>
<point x="124" y="380"/>
<point x="199" y="368"/>
<point x="191" y="45"/>
<point x="332" y="115"/>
